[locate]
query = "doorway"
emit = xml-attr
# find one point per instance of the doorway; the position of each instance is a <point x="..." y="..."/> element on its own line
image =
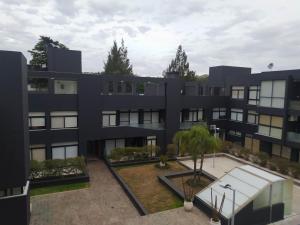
<point x="94" y="150"/>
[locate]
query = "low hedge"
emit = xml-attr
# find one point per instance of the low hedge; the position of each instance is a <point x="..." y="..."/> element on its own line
<point x="57" y="168"/>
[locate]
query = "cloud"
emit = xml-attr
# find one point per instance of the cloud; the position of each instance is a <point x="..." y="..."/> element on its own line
<point x="241" y="33"/>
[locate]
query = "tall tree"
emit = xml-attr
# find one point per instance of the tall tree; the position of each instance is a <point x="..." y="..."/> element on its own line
<point x="180" y="64"/>
<point x="117" y="60"/>
<point x="39" y="52"/>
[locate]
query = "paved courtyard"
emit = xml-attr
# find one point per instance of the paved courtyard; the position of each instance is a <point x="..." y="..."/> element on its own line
<point x="103" y="203"/>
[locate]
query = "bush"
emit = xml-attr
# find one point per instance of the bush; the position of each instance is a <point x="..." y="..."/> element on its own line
<point x="134" y="153"/>
<point x="295" y="170"/>
<point x="245" y="153"/>
<point x="226" y="146"/>
<point x="57" y="168"/>
<point x="171" y="150"/>
<point x="263" y="158"/>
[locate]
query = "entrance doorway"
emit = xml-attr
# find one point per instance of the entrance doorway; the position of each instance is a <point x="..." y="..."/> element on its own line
<point x="94" y="150"/>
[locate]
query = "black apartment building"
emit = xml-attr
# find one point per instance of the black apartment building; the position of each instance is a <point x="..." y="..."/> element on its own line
<point x="70" y="113"/>
<point x="73" y="113"/>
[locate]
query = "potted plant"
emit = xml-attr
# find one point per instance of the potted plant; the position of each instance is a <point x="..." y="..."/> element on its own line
<point x="163" y="160"/>
<point x="215" y="219"/>
<point x="188" y="193"/>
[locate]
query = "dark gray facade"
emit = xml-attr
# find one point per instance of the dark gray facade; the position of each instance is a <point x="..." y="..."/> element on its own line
<point x="14" y="141"/>
<point x="174" y="99"/>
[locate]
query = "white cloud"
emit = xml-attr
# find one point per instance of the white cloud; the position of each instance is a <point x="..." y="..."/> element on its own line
<point x="241" y="33"/>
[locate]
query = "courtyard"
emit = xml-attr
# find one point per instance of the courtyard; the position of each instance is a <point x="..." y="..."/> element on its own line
<point x="104" y="202"/>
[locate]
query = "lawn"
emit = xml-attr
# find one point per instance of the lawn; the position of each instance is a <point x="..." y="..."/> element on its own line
<point x="143" y="181"/>
<point x="58" y="188"/>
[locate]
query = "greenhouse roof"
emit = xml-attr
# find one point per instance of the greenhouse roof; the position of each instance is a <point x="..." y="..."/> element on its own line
<point x="248" y="181"/>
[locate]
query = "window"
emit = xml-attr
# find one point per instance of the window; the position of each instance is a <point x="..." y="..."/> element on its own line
<point x="200" y="91"/>
<point x="151" y="117"/>
<point x="236" y="115"/>
<point x="119" y="87"/>
<point x="36" y="120"/>
<point x="38" y="152"/>
<point x="110" y="87"/>
<point x="235" y="133"/>
<point x="63" y="119"/>
<point x="112" y="144"/>
<point x="64" y="150"/>
<point x="270" y="126"/>
<point x="109" y="118"/>
<point x="129" y="117"/>
<point x="237" y="92"/>
<point x="252" y="117"/>
<point x="281" y="151"/>
<point x="128" y="87"/>
<point x="254" y="95"/>
<point x="192" y="115"/>
<point x="140" y="89"/>
<point x="219" y="113"/>
<point x="65" y="87"/>
<point x="37" y="85"/>
<point x="252" y="143"/>
<point x="272" y="94"/>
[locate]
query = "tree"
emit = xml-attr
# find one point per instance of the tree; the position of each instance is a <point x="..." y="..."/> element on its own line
<point x="39" y="52"/>
<point x="197" y="142"/>
<point x="181" y="65"/>
<point x="117" y="60"/>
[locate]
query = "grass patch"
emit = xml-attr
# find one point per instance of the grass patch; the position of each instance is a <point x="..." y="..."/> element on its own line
<point x="58" y="188"/>
<point x="143" y="181"/>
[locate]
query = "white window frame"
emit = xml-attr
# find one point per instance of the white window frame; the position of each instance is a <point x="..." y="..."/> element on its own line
<point x="66" y="118"/>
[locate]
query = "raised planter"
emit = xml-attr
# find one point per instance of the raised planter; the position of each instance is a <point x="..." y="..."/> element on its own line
<point x="46" y="182"/>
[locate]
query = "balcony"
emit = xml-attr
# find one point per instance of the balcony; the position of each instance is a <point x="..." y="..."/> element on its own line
<point x="152" y="126"/>
<point x="293" y="137"/>
<point x="188" y="124"/>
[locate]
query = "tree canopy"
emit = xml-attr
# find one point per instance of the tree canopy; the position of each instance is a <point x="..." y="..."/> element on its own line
<point x="39" y="52"/>
<point x="117" y="60"/>
<point x="181" y="65"/>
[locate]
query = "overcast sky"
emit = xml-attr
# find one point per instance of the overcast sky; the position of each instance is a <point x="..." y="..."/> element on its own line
<point x="212" y="32"/>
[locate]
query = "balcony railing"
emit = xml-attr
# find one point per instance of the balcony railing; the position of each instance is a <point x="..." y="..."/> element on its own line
<point x="152" y="126"/>
<point x="188" y="124"/>
<point x="293" y="137"/>
<point x="295" y="105"/>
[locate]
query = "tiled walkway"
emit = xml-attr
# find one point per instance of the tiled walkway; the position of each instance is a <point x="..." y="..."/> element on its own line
<point x="104" y="203"/>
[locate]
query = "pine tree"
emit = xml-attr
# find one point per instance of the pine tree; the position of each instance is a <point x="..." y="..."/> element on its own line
<point x="39" y="52"/>
<point x="181" y="65"/>
<point x="117" y="60"/>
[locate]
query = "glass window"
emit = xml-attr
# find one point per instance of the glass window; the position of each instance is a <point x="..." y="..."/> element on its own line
<point x="128" y="87"/>
<point x="219" y="113"/>
<point x="37" y="85"/>
<point x="236" y="115"/>
<point x="252" y="117"/>
<point x="151" y="117"/>
<point x="270" y="126"/>
<point x="140" y="89"/>
<point x="272" y="93"/>
<point x="134" y="117"/>
<point x="124" y="118"/>
<point x="38" y="152"/>
<point x="237" y="92"/>
<point x="119" y="88"/>
<point x="254" y="92"/>
<point x="281" y="151"/>
<point x="64" y="119"/>
<point x="36" y="120"/>
<point x="192" y="115"/>
<point x="109" y="118"/>
<point x="110" y="87"/>
<point x="64" y="150"/>
<point x="65" y="87"/>
<point x="235" y="133"/>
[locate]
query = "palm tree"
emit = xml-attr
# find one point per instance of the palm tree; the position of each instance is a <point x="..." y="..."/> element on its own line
<point x="197" y="142"/>
<point x="179" y="140"/>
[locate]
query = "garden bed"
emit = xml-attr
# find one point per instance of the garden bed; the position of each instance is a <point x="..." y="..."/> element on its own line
<point x="144" y="184"/>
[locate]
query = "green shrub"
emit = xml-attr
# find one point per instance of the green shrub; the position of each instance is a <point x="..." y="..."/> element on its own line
<point x="171" y="150"/>
<point x="263" y="158"/>
<point x="226" y="146"/>
<point x="163" y="159"/>
<point x="245" y="153"/>
<point x="134" y="153"/>
<point x="272" y="166"/>
<point x="295" y="170"/>
<point x="57" y="167"/>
